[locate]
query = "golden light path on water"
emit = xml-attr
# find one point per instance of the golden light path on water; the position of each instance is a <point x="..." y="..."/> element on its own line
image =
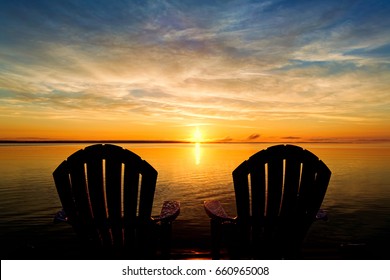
<point x="198" y="153"/>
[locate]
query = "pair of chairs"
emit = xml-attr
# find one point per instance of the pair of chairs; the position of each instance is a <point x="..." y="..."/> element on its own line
<point x="107" y="196"/>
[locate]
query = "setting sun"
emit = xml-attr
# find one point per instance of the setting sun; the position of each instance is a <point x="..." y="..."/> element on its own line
<point x="197" y="135"/>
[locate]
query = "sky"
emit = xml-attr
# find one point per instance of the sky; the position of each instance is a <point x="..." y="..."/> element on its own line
<point x="279" y="71"/>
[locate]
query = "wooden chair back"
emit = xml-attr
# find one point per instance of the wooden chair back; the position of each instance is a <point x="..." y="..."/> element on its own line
<point x="107" y="194"/>
<point x="279" y="191"/>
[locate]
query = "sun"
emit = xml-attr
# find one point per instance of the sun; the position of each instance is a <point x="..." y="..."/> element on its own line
<point x="197" y="137"/>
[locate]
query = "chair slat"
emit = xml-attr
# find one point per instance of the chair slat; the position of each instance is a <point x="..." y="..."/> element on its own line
<point x="148" y="185"/>
<point x="241" y="188"/>
<point x="319" y="188"/>
<point x="64" y="189"/>
<point x="113" y="167"/>
<point x="95" y="179"/>
<point x="308" y="176"/>
<point x="275" y="185"/>
<point x="130" y="197"/>
<point x="76" y="164"/>
<point x="258" y="192"/>
<point x="291" y="181"/>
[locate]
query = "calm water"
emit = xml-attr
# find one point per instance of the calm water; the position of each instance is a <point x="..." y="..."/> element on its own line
<point x="358" y="197"/>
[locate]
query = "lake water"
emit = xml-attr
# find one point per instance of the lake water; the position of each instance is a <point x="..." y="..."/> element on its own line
<point x="357" y="200"/>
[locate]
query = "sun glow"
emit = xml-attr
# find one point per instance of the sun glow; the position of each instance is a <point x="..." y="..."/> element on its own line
<point x="197" y="135"/>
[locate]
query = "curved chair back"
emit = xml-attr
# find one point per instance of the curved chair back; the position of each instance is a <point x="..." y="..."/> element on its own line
<point x="107" y="194"/>
<point x="279" y="191"/>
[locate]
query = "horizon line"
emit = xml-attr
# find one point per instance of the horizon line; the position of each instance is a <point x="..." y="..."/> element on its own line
<point x="107" y="141"/>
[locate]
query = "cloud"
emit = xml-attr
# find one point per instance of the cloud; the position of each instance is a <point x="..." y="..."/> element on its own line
<point x="253" y="136"/>
<point x="381" y="52"/>
<point x="291" y="138"/>
<point x="226" y="139"/>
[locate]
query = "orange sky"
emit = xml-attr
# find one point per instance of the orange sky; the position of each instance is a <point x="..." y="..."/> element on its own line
<point x="249" y="72"/>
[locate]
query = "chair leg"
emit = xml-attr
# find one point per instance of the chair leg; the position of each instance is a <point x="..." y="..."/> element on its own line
<point x="166" y="233"/>
<point x="216" y="235"/>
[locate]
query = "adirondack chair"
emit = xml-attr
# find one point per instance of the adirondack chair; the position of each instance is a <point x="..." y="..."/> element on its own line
<point x="107" y="194"/>
<point x="275" y="208"/>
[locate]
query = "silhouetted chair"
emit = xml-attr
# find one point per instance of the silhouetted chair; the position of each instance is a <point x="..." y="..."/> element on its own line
<point x="107" y="194"/>
<point x="275" y="208"/>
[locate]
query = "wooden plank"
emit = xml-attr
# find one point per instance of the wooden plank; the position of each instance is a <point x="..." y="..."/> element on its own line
<point x="80" y="192"/>
<point x="145" y="227"/>
<point x="131" y="185"/>
<point x="275" y="185"/>
<point x="258" y="192"/>
<point x="64" y="189"/>
<point x="95" y="179"/>
<point x="148" y="186"/>
<point x="113" y="177"/>
<point x="291" y="180"/>
<point x="320" y="186"/>
<point x="309" y="165"/>
<point x="241" y="188"/>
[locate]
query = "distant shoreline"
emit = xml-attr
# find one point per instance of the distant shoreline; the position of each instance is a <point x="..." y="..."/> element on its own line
<point x="90" y="141"/>
<point x="180" y="142"/>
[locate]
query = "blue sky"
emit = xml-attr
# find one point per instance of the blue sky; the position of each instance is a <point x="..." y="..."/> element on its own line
<point x="306" y="70"/>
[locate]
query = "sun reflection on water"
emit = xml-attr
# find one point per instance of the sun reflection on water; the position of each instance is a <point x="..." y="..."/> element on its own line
<point x="198" y="153"/>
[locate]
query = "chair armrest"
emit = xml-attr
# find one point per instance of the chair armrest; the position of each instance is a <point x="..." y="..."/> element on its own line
<point x="169" y="212"/>
<point x="60" y="216"/>
<point x="322" y="215"/>
<point x="215" y="211"/>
